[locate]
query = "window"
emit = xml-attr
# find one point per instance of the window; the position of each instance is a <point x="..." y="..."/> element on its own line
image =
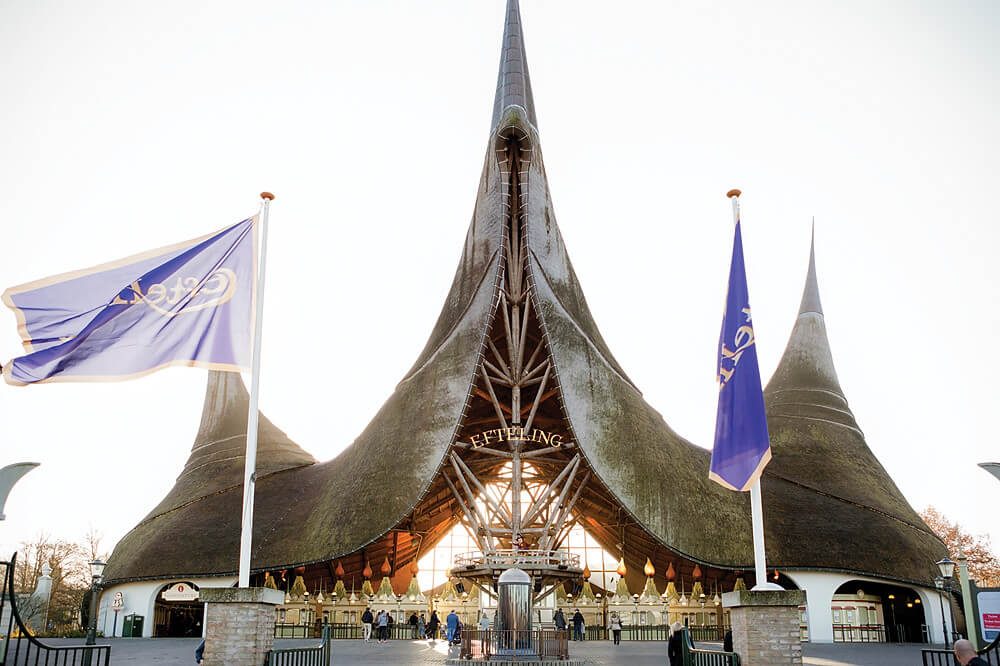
<point x="850" y="617"/>
<point x="836" y="617"/>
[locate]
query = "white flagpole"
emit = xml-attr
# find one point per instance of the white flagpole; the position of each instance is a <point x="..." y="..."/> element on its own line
<point x="250" y="469"/>
<point x="756" y="504"/>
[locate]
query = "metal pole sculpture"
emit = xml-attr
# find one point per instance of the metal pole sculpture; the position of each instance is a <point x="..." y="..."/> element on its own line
<point x="514" y="613"/>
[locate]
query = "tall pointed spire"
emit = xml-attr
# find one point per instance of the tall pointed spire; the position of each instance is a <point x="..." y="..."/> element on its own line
<point x="810" y="295"/>
<point x="807" y="364"/>
<point x="513" y="82"/>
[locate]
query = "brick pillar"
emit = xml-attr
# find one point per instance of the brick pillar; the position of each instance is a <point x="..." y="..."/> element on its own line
<point x="239" y="623"/>
<point x="766" y="626"/>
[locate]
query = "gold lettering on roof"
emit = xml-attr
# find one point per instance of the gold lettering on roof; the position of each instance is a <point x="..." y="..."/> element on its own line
<point x="515" y="434"/>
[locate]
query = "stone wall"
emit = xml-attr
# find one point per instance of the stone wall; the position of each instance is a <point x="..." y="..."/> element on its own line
<point x="766" y="626"/>
<point x="239" y="625"/>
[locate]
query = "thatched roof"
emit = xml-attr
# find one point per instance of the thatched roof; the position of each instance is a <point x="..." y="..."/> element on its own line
<point x="828" y="502"/>
<point x="828" y="485"/>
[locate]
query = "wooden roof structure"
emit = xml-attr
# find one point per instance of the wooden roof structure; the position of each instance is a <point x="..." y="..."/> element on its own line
<point x="828" y="503"/>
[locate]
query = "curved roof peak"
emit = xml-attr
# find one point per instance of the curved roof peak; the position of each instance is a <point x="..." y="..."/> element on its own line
<point x="810" y="295"/>
<point x="513" y="82"/>
<point x="807" y="364"/>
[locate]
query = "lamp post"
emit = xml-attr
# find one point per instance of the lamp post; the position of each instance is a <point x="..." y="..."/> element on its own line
<point x="892" y="619"/>
<point x="701" y="600"/>
<point x="947" y="568"/>
<point x="96" y="572"/>
<point x="939" y="584"/>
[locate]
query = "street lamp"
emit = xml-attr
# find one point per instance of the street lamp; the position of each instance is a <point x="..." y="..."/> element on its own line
<point x="939" y="584"/>
<point x="96" y="572"/>
<point x="892" y="619"/>
<point x="947" y="568"/>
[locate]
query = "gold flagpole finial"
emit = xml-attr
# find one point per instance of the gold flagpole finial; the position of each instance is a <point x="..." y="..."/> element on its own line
<point x="733" y="193"/>
<point x="267" y="195"/>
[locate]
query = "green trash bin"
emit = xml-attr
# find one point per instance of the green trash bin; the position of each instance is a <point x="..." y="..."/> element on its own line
<point x="133" y="626"/>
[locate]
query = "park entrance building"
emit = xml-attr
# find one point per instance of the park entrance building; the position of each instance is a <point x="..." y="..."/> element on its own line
<point x="517" y="427"/>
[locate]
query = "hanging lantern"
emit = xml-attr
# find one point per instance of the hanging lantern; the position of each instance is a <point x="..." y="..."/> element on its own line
<point x="622" y="569"/>
<point x="586" y="572"/>
<point x="671" y="574"/>
<point x="386" y="569"/>
<point x="339" y="571"/>
<point x="414" y="569"/>
<point x="649" y="570"/>
<point x="775" y="574"/>
<point x="367" y="573"/>
<point x="696" y="574"/>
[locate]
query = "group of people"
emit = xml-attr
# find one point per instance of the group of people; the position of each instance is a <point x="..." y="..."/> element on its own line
<point x="381" y="623"/>
<point x="577" y="621"/>
<point x="420" y="628"/>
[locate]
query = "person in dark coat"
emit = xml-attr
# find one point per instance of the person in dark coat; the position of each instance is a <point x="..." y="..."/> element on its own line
<point x="367" y="620"/>
<point x="432" y="626"/>
<point x="414" y="620"/>
<point x="560" y="620"/>
<point x="727" y="641"/>
<point x="577" y="625"/>
<point x="674" y="653"/>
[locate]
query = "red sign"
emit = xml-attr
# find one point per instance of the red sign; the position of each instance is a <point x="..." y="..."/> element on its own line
<point x="991" y="621"/>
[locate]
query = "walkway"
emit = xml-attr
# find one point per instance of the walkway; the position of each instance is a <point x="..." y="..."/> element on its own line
<point x="180" y="652"/>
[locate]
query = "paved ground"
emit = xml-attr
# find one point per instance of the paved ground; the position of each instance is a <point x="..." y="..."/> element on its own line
<point x="180" y="652"/>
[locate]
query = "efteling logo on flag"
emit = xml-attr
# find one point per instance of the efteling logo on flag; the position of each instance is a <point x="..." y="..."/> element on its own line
<point x="187" y="304"/>
<point x="742" y="448"/>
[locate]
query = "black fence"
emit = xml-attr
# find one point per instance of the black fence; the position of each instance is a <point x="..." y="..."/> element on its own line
<point x="514" y="645"/>
<point x="937" y="657"/>
<point x="654" y="632"/>
<point x="19" y="648"/>
<point x="342" y="630"/>
<point x="318" y="655"/>
<point x="865" y="633"/>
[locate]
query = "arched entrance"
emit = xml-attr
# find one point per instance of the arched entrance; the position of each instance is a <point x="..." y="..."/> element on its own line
<point x="865" y="611"/>
<point x="177" y="612"/>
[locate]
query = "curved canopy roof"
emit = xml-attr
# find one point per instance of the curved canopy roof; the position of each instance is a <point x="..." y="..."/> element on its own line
<point x="828" y="503"/>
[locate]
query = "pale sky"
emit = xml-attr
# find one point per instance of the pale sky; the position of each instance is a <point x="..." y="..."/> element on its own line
<point x="127" y="126"/>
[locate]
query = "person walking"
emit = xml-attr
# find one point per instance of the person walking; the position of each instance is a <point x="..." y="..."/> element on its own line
<point x="432" y="626"/>
<point x="452" y="624"/>
<point x="560" y="620"/>
<point x="577" y="625"/>
<point x="727" y="641"/>
<point x="674" y="652"/>
<point x="615" y="625"/>
<point x="367" y="619"/>
<point x="383" y="626"/>
<point x="414" y="620"/>
<point x="422" y="626"/>
<point x="484" y="622"/>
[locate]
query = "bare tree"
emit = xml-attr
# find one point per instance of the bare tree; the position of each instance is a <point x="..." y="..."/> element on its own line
<point x="70" y="576"/>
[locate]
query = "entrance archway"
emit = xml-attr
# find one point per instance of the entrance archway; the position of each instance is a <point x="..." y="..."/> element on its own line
<point x="865" y="611"/>
<point x="177" y="613"/>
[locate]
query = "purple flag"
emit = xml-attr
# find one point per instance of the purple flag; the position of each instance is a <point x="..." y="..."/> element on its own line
<point x="187" y="304"/>
<point x="742" y="448"/>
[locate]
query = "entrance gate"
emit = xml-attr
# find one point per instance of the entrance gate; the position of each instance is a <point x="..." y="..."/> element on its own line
<point x="20" y="647"/>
